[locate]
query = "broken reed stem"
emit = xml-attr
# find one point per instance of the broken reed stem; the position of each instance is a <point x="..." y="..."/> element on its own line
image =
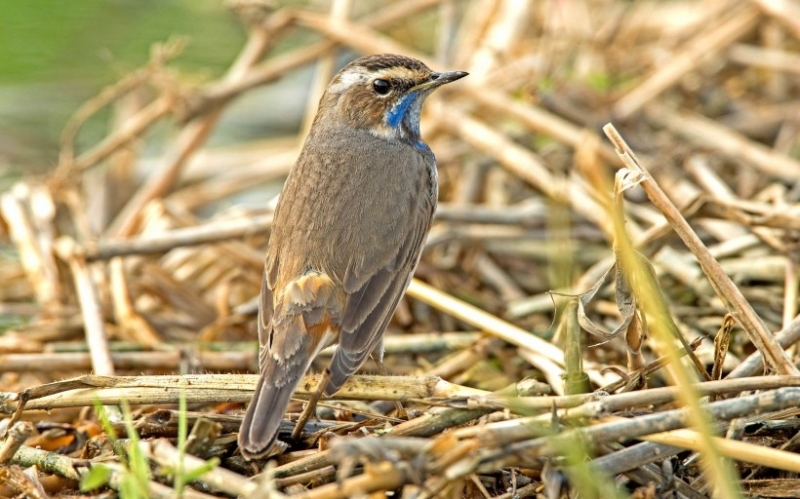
<point x="652" y="303"/>
<point x="74" y="469"/>
<point x="740" y="308"/>
<point x="275" y="67"/>
<point x="223" y="230"/>
<point x="210" y="388"/>
<point x="687" y="58"/>
<point x="212" y="232"/>
<point x="160" y="55"/>
<point x="708" y="133"/>
<point x="96" y="337"/>
<point x="381" y="476"/>
<point x="526" y="452"/>
<point x="755" y="362"/>
<point x="193" y="135"/>
<point x="787" y="13"/>
<point x="38" y="265"/>
<point x="550" y="358"/>
<point x="592" y="405"/>
<point x="129" y="131"/>
<point x="14" y="438"/>
<point x="165" y="454"/>
<point x="734" y="449"/>
<point x="128" y="356"/>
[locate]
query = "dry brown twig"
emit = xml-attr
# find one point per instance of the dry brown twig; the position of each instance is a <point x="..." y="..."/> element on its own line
<point x="96" y="336"/>
<point x="195" y="134"/>
<point x="85" y="390"/>
<point x="697" y="50"/>
<point x="160" y="55"/>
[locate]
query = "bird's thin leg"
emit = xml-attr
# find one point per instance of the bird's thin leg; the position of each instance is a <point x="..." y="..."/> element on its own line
<point x="383" y="372"/>
<point x="311" y="407"/>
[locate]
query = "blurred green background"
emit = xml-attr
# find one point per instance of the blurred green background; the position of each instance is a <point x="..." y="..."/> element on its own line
<point x="55" y="54"/>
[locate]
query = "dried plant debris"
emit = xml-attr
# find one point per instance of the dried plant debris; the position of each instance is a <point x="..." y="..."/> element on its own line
<point x="517" y="368"/>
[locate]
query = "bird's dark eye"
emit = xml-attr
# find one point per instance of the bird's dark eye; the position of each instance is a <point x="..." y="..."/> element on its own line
<point x="381" y="86"/>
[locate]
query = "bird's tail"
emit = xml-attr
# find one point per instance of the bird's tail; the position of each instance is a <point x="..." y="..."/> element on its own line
<point x="263" y="418"/>
<point x="299" y="327"/>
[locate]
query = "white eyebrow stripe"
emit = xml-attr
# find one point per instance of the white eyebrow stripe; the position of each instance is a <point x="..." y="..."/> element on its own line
<point x="348" y="79"/>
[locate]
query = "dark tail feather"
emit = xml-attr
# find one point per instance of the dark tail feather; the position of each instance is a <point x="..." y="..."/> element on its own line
<point x="264" y="415"/>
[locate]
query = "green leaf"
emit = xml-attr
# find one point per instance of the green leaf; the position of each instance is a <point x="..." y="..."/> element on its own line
<point x="190" y="476"/>
<point x="97" y="477"/>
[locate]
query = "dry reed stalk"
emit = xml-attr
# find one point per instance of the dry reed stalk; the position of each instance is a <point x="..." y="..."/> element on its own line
<point x="647" y="297"/>
<point x="787" y="13"/>
<point x="133" y="128"/>
<point x="546" y="356"/>
<point x="740" y="451"/>
<point x="741" y="21"/>
<point x="776" y="60"/>
<point x="212" y="232"/>
<point x="272" y="69"/>
<point x="195" y="133"/>
<point x="127" y="361"/>
<point x="96" y="336"/>
<point x="724" y="287"/>
<point x="37" y="261"/>
<point x="74" y="469"/>
<point x="704" y="131"/>
<point x="165" y="454"/>
<point x="85" y="390"/>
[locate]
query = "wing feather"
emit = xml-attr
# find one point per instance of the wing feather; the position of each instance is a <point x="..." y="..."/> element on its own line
<point x="369" y="309"/>
<point x="352" y="352"/>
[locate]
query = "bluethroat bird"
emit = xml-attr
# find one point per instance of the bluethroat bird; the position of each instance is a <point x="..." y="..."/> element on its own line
<point x="347" y="234"/>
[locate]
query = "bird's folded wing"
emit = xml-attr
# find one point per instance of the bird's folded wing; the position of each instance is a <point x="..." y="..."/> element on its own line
<point x="369" y="308"/>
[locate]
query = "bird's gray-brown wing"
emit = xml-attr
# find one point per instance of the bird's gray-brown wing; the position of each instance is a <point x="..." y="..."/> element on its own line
<point x="373" y="295"/>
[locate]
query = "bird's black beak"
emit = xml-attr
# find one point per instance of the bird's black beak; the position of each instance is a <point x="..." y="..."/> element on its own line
<point x="438" y="79"/>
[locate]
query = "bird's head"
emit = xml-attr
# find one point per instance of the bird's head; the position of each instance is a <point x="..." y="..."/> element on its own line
<point x="383" y="94"/>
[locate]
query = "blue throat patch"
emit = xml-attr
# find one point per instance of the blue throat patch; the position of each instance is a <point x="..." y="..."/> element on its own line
<point x="395" y="115"/>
